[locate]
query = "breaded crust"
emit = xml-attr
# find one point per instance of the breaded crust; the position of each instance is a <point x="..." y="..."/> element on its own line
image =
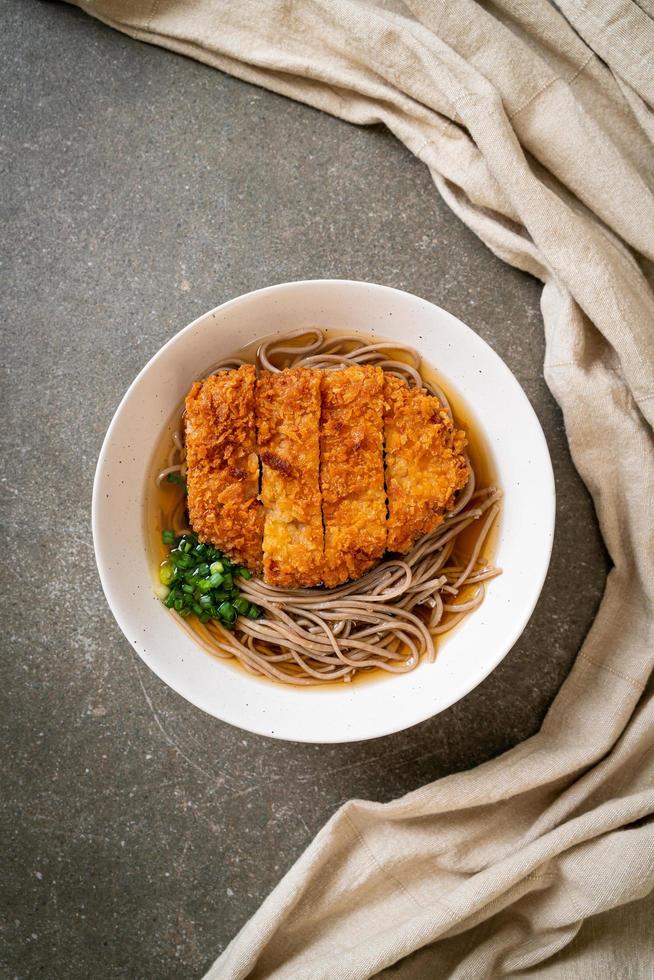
<point x="352" y="472"/>
<point x="425" y="464"/>
<point x="222" y="465"/>
<point x="287" y="420"/>
<point x="320" y="437"/>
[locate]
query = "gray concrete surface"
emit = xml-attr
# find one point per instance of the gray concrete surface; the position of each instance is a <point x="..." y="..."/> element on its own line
<point x="139" y="190"/>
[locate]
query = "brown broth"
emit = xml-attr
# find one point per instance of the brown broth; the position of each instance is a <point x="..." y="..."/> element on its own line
<point x="161" y="502"/>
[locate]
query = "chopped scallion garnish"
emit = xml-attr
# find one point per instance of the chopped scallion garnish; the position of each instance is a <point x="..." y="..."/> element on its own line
<point x="227" y="612"/>
<point x="197" y="579"/>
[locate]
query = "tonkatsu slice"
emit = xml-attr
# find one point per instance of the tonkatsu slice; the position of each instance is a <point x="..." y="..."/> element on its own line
<point x="425" y="462"/>
<point x="287" y="408"/>
<point x="352" y="472"/>
<point x="222" y="465"/>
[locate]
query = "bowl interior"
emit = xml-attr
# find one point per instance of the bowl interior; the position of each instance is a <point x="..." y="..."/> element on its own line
<point x="343" y="712"/>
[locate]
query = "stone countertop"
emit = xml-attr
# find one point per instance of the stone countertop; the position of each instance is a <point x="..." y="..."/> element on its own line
<point x="141" y="189"/>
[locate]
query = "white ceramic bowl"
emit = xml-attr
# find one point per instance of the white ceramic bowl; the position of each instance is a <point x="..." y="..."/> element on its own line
<point x="346" y="713"/>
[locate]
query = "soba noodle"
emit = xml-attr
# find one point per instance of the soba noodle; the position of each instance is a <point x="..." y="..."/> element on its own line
<point x="389" y="618"/>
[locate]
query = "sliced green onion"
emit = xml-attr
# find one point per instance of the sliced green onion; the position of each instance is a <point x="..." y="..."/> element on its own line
<point x="227" y="612"/>
<point x="197" y="579"/>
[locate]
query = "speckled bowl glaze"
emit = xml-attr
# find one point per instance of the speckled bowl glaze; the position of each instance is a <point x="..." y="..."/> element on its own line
<point x="344" y="713"/>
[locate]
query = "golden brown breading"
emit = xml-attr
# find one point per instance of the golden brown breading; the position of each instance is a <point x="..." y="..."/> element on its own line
<point x="425" y="463"/>
<point x="223" y="469"/>
<point x="321" y="437"/>
<point x="288" y="418"/>
<point x="352" y="472"/>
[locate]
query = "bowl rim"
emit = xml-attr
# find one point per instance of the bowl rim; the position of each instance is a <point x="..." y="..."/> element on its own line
<point x="502" y="648"/>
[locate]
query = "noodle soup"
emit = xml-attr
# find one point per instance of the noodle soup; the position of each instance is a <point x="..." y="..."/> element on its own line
<point x="461" y="549"/>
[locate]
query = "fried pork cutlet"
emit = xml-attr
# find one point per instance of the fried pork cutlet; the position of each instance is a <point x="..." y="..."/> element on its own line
<point x="288" y="420"/>
<point x="425" y="464"/>
<point x="352" y="472"/>
<point x="222" y="465"/>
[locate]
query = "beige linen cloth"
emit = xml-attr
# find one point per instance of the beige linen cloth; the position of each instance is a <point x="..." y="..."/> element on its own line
<point x="536" y="123"/>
